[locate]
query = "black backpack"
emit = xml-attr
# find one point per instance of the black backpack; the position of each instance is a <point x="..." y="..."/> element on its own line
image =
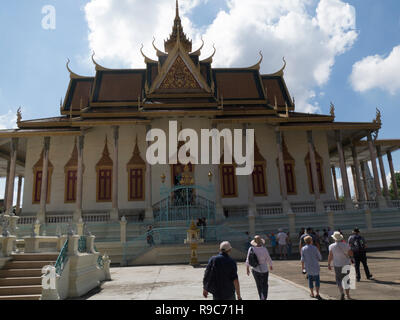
<point x="358" y="244"/>
<point x="253" y="260"/>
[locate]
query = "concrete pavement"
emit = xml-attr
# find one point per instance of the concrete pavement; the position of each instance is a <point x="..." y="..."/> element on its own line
<point x="182" y="282"/>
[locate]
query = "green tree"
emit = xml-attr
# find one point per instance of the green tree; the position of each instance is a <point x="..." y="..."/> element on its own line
<point x="397" y="176"/>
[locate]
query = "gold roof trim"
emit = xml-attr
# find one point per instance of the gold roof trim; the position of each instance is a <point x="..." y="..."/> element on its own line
<point x="198" y="51"/>
<point x="210" y="58"/>
<point x="146" y="59"/>
<point x="279" y="73"/>
<point x="258" y="64"/>
<point x="159" y="52"/>
<point x="98" y="67"/>
<point x="105" y="160"/>
<point x="72" y="74"/>
<point x="136" y="157"/>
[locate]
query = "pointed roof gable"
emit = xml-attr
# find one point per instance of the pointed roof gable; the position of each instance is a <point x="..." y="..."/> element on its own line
<point x="73" y="161"/>
<point x="136" y="157"/>
<point x="39" y="163"/>
<point x="105" y="160"/>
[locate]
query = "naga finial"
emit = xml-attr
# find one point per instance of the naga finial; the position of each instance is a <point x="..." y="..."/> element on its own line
<point x="19" y="115"/>
<point x="378" y="116"/>
<point x="332" y="110"/>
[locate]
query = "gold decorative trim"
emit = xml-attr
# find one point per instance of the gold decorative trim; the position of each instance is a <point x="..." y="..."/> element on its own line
<point x="319" y="161"/>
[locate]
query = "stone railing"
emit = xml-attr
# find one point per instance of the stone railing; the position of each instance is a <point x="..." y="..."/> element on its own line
<point x="79" y="269"/>
<point x="96" y="217"/>
<point x="235" y="212"/>
<point x="27" y="220"/>
<point x="371" y="204"/>
<point x="303" y="207"/>
<point x="394" y="203"/>
<point x="335" y="206"/>
<point x="59" y="219"/>
<point x="269" y="210"/>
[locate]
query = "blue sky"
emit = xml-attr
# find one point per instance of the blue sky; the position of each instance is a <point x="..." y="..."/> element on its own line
<point x="33" y="73"/>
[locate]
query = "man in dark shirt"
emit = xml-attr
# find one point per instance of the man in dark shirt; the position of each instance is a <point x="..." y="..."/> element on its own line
<point x="309" y="232"/>
<point x="359" y="247"/>
<point x="221" y="278"/>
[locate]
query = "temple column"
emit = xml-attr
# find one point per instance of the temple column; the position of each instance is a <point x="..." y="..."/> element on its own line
<point x="343" y="170"/>
<point x="319" y="205"/>
<point x="393" y="175"/>
<point x="372" y="150"/>
<point x="335" y="183"/>
<point x="18" y="206"/>
<point x="383" y="173"/>
<point x="219" y="209"/>
<point x="41" y="216"/>
<point x="6" y="186"/>
<point x="285" y="203"/>
<point x="149" y="216"/>
<point x="357" y="182"/>
<point x="364" y="175"/>
<point x="114" y="212"/>
<point x="11" y="176"/>
<point x="79" y="181"/>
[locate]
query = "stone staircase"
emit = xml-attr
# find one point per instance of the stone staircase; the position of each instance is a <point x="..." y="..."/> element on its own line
<point x="20" y="279"/>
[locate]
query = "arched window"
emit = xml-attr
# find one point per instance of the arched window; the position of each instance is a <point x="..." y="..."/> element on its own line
<point x="104" y="177"/>
<point x="289" y="168"/>
<point x="37" y="182"/>
<point x="320" y="173"/>
<point x="136" y="176"/>
<point x="259" y="180"/>
<point x="70" y="170"/>
<point x="228" y="179"/>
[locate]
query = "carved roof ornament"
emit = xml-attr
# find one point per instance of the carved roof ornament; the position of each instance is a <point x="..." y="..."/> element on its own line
<point x="279" y="73"/>
<point x="105" y="160"/>
<point x="198" y="51"/>
<point x="136" y="157"/>
<point x="378" y="120"/>
<point x="179" y="77"/>
<point x="210" y="58"/>
<point x="146" y="59"/>
<point x="19" y="115"/>
<point x="178" y="35"/>
<point x="258" y="64"/>
<point x="332" y="110"/>
<point x="159" y="52"/>
<point x="98" y="67"/>
<point x="72" y="74"/>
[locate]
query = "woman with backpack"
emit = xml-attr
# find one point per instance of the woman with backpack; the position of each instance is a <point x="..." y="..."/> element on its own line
<point x="260" y="261"/>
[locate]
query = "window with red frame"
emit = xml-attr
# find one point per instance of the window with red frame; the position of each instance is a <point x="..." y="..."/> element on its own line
<point x="290" y="180"/>
<point x="105" y="185"/>
<point x="259" y="185"/>
<point x="136" y="184"/>
<point x="228" y="181"/>
<point x="71" y="177"/>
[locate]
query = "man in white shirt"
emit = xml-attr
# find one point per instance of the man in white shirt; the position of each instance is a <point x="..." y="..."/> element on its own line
<point x="282" y="242"/>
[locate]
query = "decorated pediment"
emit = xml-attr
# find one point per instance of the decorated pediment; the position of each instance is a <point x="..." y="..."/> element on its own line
<point x="179" y="77"/>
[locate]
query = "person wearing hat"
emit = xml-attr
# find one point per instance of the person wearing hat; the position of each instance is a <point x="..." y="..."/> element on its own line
<point x="261" y="271"/>
<point x="340" y="254"/>
<point x="282" y="238"/>
<point x="358" y="246"/>
<point x="221" y="278"/>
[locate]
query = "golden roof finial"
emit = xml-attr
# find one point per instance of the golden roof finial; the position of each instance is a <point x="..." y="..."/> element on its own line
<point x="258" y="64"/>
<point x="19" y="115"/>
<point x="332" y="111"/>
<point x="159" y="52"/>
<point x="177" y="35"/>
<point x="198" y="51"/>
<point x="72" y="74"/>
<point x="210" y="58"/>
<point x="378" y="118"/>
<point x="98" y="67"/>
<point x="146" y="59"/>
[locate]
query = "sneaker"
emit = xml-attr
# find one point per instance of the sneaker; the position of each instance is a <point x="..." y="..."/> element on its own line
<point x="371" y="277"/>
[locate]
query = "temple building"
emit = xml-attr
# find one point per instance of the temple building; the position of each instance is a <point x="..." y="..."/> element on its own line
<point x="89" y="163"/>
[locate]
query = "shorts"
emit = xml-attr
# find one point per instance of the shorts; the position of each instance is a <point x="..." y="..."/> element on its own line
<point x="283" y="248"/>
<point x="312" y="279"/>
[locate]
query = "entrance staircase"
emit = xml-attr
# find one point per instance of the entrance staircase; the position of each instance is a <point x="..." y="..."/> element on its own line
<point x="20" y="279"/>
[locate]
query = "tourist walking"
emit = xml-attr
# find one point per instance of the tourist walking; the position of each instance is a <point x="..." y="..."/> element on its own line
<point x="308" y="232"/>
<point x="260" y="266"/>
<point x="325" y="240"/>
<point x="282" y="242"/>
<point x="340" y="254"/>
<point x="272" y="239"/>
<point x="149" y="236"/>
<point x="221" y="278"/>
<point x="359" y="247"/>
<point x="310" y="258"/>
<point x="289" y="245"/>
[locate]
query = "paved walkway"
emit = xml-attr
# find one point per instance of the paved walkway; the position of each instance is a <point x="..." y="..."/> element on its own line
<point x="384" y="265"/>
<point x="184" y="283"/>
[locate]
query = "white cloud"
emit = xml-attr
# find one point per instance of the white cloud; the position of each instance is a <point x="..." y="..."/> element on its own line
<point x="377" y="72"/>
<point x="8" y="120"/>
<point x="308" y="33"/>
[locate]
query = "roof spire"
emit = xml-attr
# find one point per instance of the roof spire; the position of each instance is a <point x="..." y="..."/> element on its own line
<point x="178" y="35"/>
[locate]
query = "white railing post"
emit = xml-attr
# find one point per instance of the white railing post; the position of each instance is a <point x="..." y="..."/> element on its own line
<point x="123" y="224"/>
